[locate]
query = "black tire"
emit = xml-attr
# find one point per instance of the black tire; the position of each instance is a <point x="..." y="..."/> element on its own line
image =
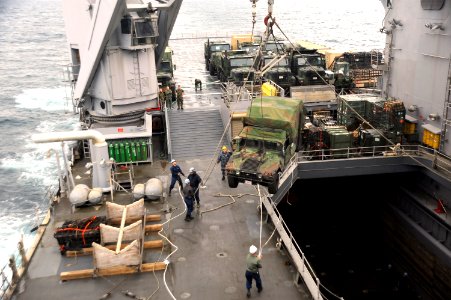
<point x="211" y="68"/>
<point x="233" y="181"/>
<point x="273" y="187"/>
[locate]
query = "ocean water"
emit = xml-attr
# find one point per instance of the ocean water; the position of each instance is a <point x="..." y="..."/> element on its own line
<point x="33" y="53"/>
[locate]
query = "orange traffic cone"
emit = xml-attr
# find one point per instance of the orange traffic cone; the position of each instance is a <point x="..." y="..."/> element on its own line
<point x="440" y="209"/>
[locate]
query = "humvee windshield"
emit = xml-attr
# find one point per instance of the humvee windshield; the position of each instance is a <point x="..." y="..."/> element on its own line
<point x="241" y="62"/>
<point x="274" y="47"/>
<point x="165" y="66"/>
<point x="282" y="63"/>
<point x="261" y="145"/>
<point x="217" y="48"/>
<point x="311" y="60"/>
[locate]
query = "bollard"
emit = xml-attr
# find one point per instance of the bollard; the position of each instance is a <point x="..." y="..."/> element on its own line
<point x="22" y="253"/>
<point x="12" y="265"/>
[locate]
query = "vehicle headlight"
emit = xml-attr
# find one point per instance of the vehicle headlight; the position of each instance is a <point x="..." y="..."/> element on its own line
<point x="237" y="172"/>
<point x="259" y="175"/>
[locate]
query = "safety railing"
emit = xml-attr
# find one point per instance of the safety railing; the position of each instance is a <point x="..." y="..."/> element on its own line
<point x="168" y="133"/>
<point x="439" y="161"/>
<point x="303" y="267"/>
<point x="13" y="271"/>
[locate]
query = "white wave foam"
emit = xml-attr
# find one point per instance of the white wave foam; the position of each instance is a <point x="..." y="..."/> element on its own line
<point x="42" y="98"/>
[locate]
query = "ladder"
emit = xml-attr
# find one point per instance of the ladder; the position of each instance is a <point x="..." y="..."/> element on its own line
<point x="446" y="119"/>
<point x="136" y="72"/>
<point x="86" y="150"/>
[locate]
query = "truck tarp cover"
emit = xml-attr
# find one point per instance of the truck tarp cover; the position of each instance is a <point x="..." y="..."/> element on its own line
<point x="275" y="112"/>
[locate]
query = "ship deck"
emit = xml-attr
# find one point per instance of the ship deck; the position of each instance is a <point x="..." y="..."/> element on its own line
<point x="210" y="260"/>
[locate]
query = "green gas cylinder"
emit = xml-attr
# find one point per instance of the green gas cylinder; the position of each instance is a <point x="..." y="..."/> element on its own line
<point x="117" y="156"/>
<point x="133" y="151"/>
<point x="138" y="151"/>
<point x="128" y="155"/>
<point x="111" y="150"/>
<point x="144" y="151"/>
<point x="122" y="151"/>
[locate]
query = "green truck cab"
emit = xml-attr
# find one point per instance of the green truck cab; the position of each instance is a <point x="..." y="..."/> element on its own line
<point x="165" y="71"/>
<point x="269" y="138"/>
<point x="280" y="73"/>
<point x="235" y="65"/>
<point x="341" y="78"/>
<point x="308" y="68"/>
<point x="211" y="49"/>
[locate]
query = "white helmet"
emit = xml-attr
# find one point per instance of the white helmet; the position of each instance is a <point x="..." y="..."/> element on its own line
<point x="173" y="161"/>
<point x="191" y="170"/>
<point x="186" y="180"/>
<point x="252" y="249"/>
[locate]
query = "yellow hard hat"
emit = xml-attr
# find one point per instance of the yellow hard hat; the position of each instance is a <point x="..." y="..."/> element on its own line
<point x="224" y="148"/>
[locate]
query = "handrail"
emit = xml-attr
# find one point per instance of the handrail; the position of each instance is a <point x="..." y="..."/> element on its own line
<point x="300" y="261"/>
<point x="168" y="133"/>
<point x="12" y="272"/>
<point x="439" y="161"/>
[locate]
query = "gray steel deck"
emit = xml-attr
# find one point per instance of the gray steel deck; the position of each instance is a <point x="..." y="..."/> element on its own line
<point x="209" y="263"/>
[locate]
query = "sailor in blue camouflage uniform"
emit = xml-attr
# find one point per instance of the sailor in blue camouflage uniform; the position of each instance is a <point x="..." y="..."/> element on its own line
<point x="195" y="181"/>
<point x="223" y="158"/>
<point x="175" y="171"/>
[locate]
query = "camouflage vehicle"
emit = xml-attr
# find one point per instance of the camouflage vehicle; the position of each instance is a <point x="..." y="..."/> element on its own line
<point x="236" y="66"/>
<point x="269" y="138"/>
<point x="211" y="49"/>
<point x="165" y="71"/>
<point x="280" y="73"/>
<point x="308" y="68"/>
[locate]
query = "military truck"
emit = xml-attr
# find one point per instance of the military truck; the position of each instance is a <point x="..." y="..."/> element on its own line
<point x="280" y="73"/>
<point x="341" y="78"/>
<point x="165" y="71"/>
<point x="309" y="68"/>
<point x="212" y="48"/>
<point x="269" y="138"/>
<point x="236" y="66"/>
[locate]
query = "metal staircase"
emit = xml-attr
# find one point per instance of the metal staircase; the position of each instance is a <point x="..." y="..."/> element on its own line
<point x="194" y="133"/>
<point x="446" y="118"/>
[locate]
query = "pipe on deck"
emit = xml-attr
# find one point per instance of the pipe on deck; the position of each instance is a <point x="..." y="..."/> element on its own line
<point x="50" y="137"/>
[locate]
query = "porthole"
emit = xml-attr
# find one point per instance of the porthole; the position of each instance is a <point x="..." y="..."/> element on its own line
<point x="102" y="104"/>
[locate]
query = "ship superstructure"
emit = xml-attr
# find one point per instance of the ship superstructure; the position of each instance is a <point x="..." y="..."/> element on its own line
<point x="417" y="66"/>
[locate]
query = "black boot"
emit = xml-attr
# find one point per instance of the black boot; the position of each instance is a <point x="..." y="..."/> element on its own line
<point x="223" y="177"/>
<point x="248" y="293"/>
<point x="260" y="289"/>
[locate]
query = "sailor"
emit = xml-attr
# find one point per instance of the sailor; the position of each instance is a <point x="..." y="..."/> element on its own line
<point x="223" y="158"/>
<point x="195" y="182"/>
<point x="168" y="94"/>
<point x="175" y="171"/>
<point x="162" y="98"/>
<point x="197" y="83"/>
<point x="188" y="196"/>
<point x="252" y="270"/>
<point x="179" y="93"/>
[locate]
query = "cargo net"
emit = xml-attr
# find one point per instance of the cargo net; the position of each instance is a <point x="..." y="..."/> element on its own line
<point x="106" y="258"/>
<point x="77" y="234"/>
<point x="134" y="210"/>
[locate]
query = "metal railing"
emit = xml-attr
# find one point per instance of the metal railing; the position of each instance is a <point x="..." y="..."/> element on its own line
<point x="168" y="133"/>
<point x="439" y="161"/>
<point x="300" y="261"/>
<point x="12" y="272"/>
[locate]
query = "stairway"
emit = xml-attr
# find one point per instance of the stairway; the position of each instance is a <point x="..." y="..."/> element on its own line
<point x="194" y="132"/>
